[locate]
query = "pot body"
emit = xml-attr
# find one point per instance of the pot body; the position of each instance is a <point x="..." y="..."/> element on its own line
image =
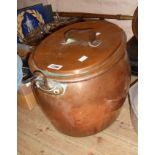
<point x="88" y="106"/>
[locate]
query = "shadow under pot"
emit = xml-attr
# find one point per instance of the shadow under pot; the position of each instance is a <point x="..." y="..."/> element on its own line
<point x="83" y="76"/>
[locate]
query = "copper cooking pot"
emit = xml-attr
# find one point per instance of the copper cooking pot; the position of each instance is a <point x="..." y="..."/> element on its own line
<point x="83" y="76"/>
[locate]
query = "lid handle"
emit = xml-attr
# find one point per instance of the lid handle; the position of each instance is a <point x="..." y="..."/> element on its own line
<point x="82" y="35"/>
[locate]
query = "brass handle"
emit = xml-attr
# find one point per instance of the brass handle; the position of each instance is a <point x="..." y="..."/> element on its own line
<point x="38" y="73"/>
<point x="82" y="35"/>
<point x="52" y="87"/>
<point x="53" y="90"/>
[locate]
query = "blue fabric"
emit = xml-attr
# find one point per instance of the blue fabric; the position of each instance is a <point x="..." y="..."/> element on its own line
<point x="29" y="20"/>
<point x="19" y="71"/>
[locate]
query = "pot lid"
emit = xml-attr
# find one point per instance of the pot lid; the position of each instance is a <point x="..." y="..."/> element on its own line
<point x="77" y="48"/>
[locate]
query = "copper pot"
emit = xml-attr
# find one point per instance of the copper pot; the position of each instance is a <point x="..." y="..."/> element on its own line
<point x="83" y="78"/>
<point x="135" y="23"/>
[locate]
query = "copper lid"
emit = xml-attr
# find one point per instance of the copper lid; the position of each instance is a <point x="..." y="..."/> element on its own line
<point x="77" y="49"/>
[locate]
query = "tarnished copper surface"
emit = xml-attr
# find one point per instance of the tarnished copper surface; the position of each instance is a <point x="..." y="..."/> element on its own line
<point x="92" y="101"/>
